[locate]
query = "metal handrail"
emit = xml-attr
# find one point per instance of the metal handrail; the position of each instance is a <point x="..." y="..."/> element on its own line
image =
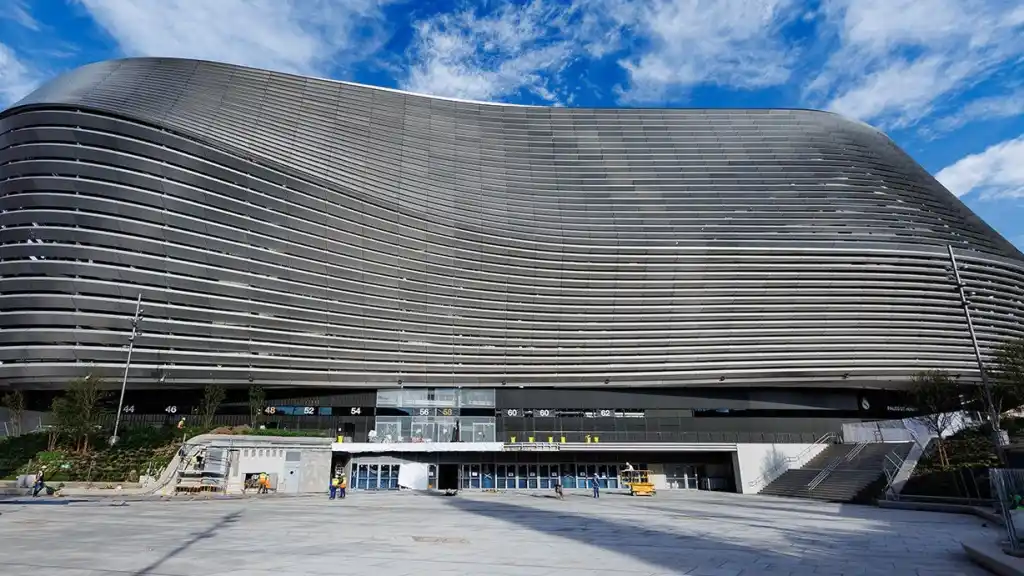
<point x="765" y="479"/>
<point x="915" y="436"/>
<point x="896" y="461"/>
<point x="856" y="451"/>
<point x="824" y="474"/>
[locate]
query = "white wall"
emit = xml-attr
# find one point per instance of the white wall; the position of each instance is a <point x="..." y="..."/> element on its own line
<point x="754" y="462"/>
<point x="316" y="471"/>
<point x="253" y="460"/>
<point x="255" y="454"/>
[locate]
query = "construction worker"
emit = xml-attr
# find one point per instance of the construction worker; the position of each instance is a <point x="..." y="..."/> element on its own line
<point x="335" y="483"/>
<point x="342" y="484"/>
<point x="264" y="483"/>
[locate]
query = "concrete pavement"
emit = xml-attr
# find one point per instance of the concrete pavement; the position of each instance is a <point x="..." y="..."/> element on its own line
<point x="699" y="534"/>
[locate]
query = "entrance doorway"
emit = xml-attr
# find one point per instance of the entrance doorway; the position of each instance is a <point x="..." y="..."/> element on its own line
<point x="448" y="477"/>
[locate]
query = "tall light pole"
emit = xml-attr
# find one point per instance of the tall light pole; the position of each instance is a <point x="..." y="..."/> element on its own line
<point x="993" y="415"/>
<point x="127" y="364"/>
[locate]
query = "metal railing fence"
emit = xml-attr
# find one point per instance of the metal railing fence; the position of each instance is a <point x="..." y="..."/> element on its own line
<point x="1008" y="492"/>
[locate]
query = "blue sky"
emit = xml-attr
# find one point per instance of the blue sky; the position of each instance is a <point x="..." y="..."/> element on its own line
<point x="945" y="78"/>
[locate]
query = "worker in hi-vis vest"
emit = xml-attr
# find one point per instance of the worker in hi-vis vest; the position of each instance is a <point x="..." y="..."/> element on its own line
<point x="335" y="483"/>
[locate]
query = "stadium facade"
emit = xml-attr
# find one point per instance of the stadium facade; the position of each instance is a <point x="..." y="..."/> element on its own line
<point x="416" y="268"/>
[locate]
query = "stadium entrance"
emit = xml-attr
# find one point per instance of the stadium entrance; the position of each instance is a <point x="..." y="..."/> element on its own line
<point x="530" y="470"/>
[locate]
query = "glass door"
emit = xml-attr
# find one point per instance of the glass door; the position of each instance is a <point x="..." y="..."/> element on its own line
<point x="545" y="476"/>
<point x="524" y="476"/>
<point x="503" y="475"/>
<point x="532" y="471"/>
<point x="568" y="476"/>
<point x="690" y="477"/>
<point x="362" y="477"/>
<point x="371" y="480"/>
<point x="474" y="476"/>
<point x="487" y="479"/>
<point x="393" y="477"/>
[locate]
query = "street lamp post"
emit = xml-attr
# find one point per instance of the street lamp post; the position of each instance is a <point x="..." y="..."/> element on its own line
<point x="993" y="415"/>
<point x="127" y="364"/>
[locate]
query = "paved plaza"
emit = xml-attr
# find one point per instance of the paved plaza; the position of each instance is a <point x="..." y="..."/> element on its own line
<point x="482" y="534"/>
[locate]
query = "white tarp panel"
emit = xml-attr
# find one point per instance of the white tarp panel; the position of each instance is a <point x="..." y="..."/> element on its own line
<point x="413" y="475"/>
<point x="383" y="447"/>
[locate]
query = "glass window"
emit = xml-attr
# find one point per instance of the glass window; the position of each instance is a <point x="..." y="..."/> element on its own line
<point x="477" y="398"/>
<point x="389" y="398"/>
<point x="445" y="397"/>
<point x="411" y="397"/>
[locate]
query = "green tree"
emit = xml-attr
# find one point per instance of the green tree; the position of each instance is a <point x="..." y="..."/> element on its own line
<point x="937" y="396"/>
<point x="15" y="403"/>
<point x="85" y="402"/>
<point x="1007" y="376"/>
<point x="257" y="404"/>
<point x="65" y="422"/>
<point x="212" y="398"/>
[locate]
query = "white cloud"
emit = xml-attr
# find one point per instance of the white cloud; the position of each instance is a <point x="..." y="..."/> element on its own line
<point x="899" y="61"/>
<point x="17" y="11"/>
<point x="904" y="91"/>
<point x="736" y="43"/>
<point x="996" y="172"/>
<point x="485" y="56"/>
<point x="17" y="78"/>
<point x="300" y="36"/>
<point x="987" y="108"/>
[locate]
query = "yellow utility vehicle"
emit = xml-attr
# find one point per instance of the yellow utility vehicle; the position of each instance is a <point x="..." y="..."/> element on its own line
<point x="638" y="482"/>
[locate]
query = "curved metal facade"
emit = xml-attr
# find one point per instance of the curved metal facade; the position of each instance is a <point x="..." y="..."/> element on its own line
<point x="295" y="231"/>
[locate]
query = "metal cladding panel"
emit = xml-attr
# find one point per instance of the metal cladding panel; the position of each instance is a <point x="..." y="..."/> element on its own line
<point x="294" y="231"/>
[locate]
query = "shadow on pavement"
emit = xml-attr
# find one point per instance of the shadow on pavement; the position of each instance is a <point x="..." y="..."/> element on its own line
<point x="679" y="551"/>
<point x="208" y="533"/>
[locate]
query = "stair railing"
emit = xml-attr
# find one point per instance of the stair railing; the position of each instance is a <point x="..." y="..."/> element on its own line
<point x="915" y="436"/>
<point x="824" y="474"/>
<point x="891" y="466"/>
<point x="856" y="451"/>
<point x="789" y="462"/>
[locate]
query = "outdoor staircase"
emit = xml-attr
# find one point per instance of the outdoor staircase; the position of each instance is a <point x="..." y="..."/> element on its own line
<point x="840" y="473"/>
<point x="210" y="478"/>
